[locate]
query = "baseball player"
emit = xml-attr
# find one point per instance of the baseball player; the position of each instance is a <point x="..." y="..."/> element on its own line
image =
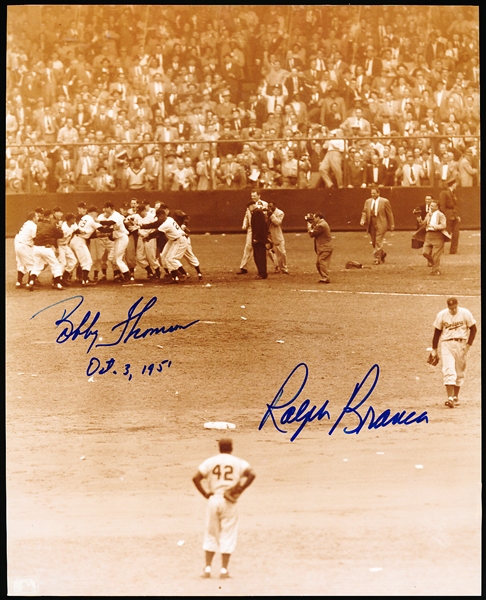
<point x="377" y="217"/>
<point x="87" y="226"/>
<point x="102" y="250"/>
<point x="456" y="329"/>
<point x="67" y="258"/>
<point x="146" y="242"/>
<point x="44" y="251"/>
<point x="120" y="237"/>
<point x="248" y="251"/>
<point x="175" y="248"/>
<point x="24" y="244"/>
<point x="182" y="219"/>
<point x="220" y="473"/>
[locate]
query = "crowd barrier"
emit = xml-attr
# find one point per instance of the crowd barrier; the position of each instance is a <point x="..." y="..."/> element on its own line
<point x="223" y="211"/>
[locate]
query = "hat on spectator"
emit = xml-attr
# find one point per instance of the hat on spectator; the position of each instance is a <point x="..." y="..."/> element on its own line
<point x="451" y="180"/>
<point x="123" y="155"/>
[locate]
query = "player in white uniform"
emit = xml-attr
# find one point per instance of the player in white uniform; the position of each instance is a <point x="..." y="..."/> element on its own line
<point x="175" y="248"/>
<point x="182" y="219"/>
<point x="120" y="237"/>
<point x="220" y="473"/>
<point x="146" y="242"/>
<point x="24" y="244"/>
<point x="66" y="256"/>
<point x="102" y="252"/>
<point x="456" y="329"/>
<point x="87" y="225"/>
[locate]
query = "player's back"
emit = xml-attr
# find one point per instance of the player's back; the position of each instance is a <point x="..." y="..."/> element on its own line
<point x="223" y="471"/>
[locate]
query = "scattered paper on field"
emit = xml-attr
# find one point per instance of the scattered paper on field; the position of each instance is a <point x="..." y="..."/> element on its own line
<point x="219" y="425"/>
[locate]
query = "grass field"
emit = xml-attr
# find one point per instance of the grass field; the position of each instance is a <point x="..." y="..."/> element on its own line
<point x="391" y="511"/>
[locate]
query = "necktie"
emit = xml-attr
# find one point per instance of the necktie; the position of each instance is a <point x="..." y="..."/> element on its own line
<point x="412" y="176"/>
<point x="372" y="211"/>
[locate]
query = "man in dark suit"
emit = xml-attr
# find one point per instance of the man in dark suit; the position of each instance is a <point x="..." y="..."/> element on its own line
<point x="390" y="165"/>
<point x="375" y="172"/>
<point x="449" y="206"/>
<point x="377" y="217"/>
<point x="102" y="122"/>
<point x="294" y="84"/>
<point x="355" y="170"/>
<point x="372" y="64"/>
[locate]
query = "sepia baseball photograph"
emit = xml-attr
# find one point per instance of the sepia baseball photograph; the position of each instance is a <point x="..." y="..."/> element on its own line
<point x="243" y="300"/>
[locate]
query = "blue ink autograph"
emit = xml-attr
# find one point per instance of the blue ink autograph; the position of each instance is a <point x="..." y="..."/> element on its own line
<point x="128" y="328"/>
<point x="95" y="367"/>
<point x="303" y="416"/>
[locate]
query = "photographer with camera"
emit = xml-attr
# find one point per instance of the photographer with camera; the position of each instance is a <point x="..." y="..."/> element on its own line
<point x="319" y="229"/>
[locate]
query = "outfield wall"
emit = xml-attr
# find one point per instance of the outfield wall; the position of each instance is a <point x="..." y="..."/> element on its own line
<point x="223" y="211"/>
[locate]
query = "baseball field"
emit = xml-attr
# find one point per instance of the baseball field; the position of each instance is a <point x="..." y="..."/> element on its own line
<point x="100" y="456"/>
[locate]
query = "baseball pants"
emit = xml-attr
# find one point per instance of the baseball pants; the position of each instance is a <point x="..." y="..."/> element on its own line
<point x="119" y="248"/>
<point x="131" y="252"/>
<point x="24" y="257"/>
<point x="67" y="258"/>
<point x="43" y="256"/>
<point x="221" y="525"/>
<point x="434" y="248"/>
<point x="173" y="253"/>
<point x="147" y="253"/>
<point x="101" y="252"/>
<point x="454" y="356"/>
<point x="190" y="256"/>
<point x="332" y="163"/>
<point x="322" y="264"/>
<point x="81" y="250"/>
<point x="377" y="237"/>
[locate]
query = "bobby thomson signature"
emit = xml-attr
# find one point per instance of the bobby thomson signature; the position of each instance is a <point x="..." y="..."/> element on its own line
<point x="366" y="415"/>
<point x="127" y="329"/>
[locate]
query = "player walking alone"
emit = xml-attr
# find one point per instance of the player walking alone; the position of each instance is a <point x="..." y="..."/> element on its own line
<point x="220" y="473"/>
<point x="456" y="329"/>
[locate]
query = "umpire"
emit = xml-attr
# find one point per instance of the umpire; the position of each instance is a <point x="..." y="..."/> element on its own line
<point x="319" y="229"/>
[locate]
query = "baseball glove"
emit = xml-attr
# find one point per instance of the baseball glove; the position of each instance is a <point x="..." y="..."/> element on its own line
<point x="232" y="494"/>
<point x="433" y="359"/>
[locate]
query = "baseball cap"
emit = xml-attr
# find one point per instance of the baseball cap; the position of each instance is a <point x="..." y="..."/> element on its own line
<point x="452" y="301"/>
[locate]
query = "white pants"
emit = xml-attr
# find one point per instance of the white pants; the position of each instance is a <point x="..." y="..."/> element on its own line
<point x="172" y="253"/>
<point x="81" y="250"/>
<point x="454" y="356"/>
<point x="46" y="256"/>
<point x="24" y="257"/>
<point x="147" y="253"/>
<point x="101" y="250"/>
<point x="190" y="256"/>
<point x="221" y="525"/>
<point x="119" y="248"/>
<point x="67" y="258"/>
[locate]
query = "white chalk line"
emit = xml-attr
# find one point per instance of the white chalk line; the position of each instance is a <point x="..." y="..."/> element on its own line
<point x="390" y="293"/>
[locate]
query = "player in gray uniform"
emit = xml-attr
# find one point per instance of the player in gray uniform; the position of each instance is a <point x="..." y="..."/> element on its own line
<point x="456" y="329"/>
<point x="221" y="472"/>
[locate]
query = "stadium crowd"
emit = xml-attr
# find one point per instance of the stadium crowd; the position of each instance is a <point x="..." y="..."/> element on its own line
<point x="126" y="97"/>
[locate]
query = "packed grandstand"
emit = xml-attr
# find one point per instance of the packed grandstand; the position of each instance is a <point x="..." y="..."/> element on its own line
<point x="106" y="98"/>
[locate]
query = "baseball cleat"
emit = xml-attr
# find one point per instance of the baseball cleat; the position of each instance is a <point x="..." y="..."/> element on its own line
<point x="456" y="401"/>
<point x="383" y="256"/>
<point x="199" y="275"/>
<point x="57" y="286"/>
<point x="242" y="272"/>
<point x="224" y="574"/>
<point x="450" y="402"/>
<point x="30" y="286"/>
<point x="207" y="573"/>
<point x="18" y="285"/>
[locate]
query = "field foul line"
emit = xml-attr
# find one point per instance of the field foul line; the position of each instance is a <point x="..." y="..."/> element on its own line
<point x="390" y="293"/>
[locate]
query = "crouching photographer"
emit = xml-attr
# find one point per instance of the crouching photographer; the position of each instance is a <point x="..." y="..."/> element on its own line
<point x="318" y="228"/>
